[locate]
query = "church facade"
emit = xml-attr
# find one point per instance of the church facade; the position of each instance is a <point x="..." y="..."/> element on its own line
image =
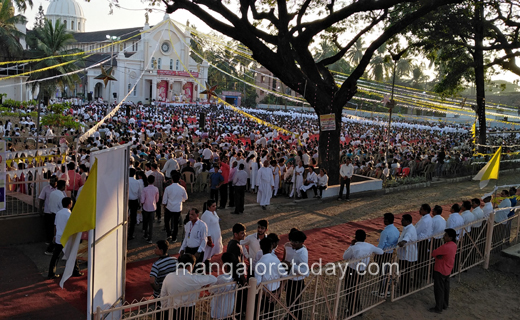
<point x="150" y="63"/>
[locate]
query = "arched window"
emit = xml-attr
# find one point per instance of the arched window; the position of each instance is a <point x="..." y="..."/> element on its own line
<point x="65" y="23"/>
<point x="129" y="87"/>
<point x="79" y="26"/>
<point x="159" y="64"/>
<point x="171" y="64"/>
<point x="72" y="25"/>
<point x="153" y="63"/>
<point x="177" y="65"/>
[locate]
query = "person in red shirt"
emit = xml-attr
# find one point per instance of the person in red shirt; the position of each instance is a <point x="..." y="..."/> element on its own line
<point x="444" y="261"/>
<point x="224" y="168"/>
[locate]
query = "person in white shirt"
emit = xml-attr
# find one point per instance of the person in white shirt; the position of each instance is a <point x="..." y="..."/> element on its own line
<point x="196" y="232"/>
<point x="265" y="184"/>
<point x="477" y="212"/>
<point x="455" y="220"/>
<point x="179" y="282"/>
<point x="424" y="231"/>
<point x="501" y="215"/>
<point x="223" y="304"/>
<point x="170" y="165"/>
<point x="467" y="215"/>
<point x="310" y="182"/>
<point x="268" y="268"/>
<point x="424" y="226"/>
<point x="358" y="256"/>
<point x="299" y="266"/>
<point x="174" y="196"/>
<point x="62" y="217"/>
<point x="438" y="226"/>
<point x="323" y="182"/>
<point x="251" y="244"/>
<point x="488" y="206"/>
<point x="134" y="194"/>
<point x="56" y="196"/>
<point x="407" y="252"/>
<point x="345" y="171"/>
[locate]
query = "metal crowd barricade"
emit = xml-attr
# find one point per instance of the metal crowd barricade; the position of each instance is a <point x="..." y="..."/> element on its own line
<point x="337" y="290"/>
<point x="221" y="301"/>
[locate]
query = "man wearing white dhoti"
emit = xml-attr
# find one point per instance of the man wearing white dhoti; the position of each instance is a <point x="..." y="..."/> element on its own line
<point x="298" y="179"/>
<point x="214" y="240"/>
<point x="276" y="175"/>
<point x="265" y="184"/>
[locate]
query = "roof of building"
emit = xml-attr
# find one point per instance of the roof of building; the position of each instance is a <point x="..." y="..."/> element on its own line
<point x="98" y="57"/>
<point x="97" y="36"/>
<point x="65" y="8"/>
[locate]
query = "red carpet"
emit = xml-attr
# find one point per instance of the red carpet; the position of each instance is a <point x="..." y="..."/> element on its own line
<point x="25" y="295"/>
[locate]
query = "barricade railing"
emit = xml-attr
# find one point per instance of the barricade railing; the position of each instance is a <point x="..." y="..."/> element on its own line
<point x="222" y="301"/>
<point x="339" y="290"/>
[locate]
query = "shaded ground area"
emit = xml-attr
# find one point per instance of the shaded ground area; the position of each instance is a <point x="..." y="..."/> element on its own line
<point x="478" y="290"/>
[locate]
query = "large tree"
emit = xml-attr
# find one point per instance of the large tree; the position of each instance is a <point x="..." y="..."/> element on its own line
<point x="281" y="37"/>
<point x="466" y="42"/>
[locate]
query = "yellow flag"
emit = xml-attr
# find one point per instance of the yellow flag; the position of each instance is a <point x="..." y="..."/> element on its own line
<point x="490" y="170"/>
<point x="83" y="216"/>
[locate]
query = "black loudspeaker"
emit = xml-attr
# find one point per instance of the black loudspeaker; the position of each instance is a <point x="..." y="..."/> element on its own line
<point x="202" y="120"/>
<point x="128" y="111"/>
<point x="114" y="94"/>
<point x="89" y="96"/>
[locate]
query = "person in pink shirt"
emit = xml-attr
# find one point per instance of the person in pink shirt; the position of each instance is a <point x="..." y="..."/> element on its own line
<point x="75" y="180"/>
<point x="444" y="261"/>
<point x="149" y="199"/>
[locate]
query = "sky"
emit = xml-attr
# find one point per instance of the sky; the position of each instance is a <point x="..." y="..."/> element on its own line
<point x="131" y="14"/>
<point x="98" y="18"/>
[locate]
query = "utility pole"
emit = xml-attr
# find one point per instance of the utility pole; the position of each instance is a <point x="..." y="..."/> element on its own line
<point x="112" y="39"/>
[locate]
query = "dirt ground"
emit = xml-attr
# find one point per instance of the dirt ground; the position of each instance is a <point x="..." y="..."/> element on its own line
<point x="477" y="294"/>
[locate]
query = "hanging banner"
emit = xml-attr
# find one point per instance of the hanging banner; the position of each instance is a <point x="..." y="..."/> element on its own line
<point x="188" y="92"/>
<point x="162" y="88"/>
<point x="2" y="175"/>
<point x="328" y="122"/>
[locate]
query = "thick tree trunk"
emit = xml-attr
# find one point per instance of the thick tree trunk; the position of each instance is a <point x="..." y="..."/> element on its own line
<point x="479" y="73"/>
<point x="329" y="146"/>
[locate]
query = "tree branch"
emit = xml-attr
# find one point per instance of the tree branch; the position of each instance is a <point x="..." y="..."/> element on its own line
<point x="343" y="51"/>
<point x="315" y="27"/>
<point x="349" y="84"/>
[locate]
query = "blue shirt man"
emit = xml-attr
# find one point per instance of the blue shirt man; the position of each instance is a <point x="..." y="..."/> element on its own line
<point x="389" y="235"/>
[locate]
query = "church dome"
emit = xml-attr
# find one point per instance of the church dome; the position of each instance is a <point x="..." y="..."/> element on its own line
<point x="69" y="12"/>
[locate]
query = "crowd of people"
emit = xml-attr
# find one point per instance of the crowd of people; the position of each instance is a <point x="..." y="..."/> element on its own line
<point x="235" y="155"/>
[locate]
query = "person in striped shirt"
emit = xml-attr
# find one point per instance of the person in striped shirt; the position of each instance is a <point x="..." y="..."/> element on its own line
<point x="162" y="267"/>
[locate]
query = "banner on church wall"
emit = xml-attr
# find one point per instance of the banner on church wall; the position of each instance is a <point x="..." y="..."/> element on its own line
<point x="162" y="89"/>
<point x="188" y="91"/>
<point x="177" y="73"/>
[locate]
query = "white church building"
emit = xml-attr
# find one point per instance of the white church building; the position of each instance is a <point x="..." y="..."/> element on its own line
<point x="159" y="53"/>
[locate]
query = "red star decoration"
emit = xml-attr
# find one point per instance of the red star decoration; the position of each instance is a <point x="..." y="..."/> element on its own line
<point x="210" y="91"/>
<point x="106" y="75"/>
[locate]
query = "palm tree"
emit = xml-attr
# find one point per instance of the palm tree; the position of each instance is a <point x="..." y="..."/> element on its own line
<point x="52" y="41"/>
<point x="404" y="67"/>
<point x="9" y="35"/>
<point x="380" y="67"/>
<point x="355" y="54"/>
